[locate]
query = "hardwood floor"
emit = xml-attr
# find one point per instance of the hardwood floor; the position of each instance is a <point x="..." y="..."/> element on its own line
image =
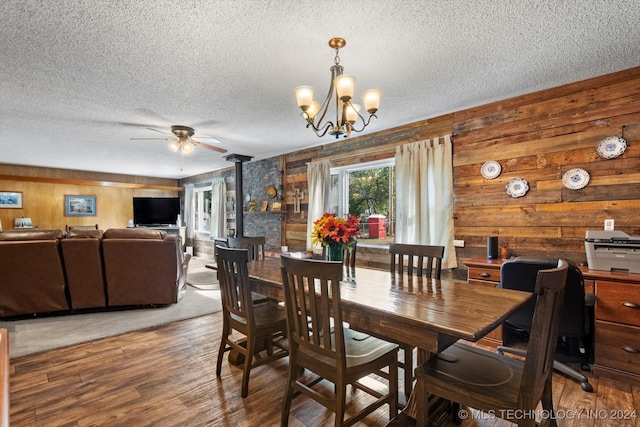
<point x="165" y="376"/>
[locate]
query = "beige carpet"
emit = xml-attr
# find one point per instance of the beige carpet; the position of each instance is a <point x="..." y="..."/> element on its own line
<point x="201" y="277"/>
<point x="31" y="336"/>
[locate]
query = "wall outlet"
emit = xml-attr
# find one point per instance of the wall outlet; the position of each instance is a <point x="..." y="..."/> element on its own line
<point x="458" y="243"/>
<point x="609" y="224"/>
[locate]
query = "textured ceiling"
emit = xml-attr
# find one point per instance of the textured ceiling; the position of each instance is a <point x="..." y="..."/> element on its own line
<point x="79" y="79"/>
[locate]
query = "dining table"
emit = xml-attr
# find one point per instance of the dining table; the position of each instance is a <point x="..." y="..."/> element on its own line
<point x="429" y="314"/>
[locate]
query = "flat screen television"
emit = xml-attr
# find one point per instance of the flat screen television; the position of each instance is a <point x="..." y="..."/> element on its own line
<point x="155" y="211"/>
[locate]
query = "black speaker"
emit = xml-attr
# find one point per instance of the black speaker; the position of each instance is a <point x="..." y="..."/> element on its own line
<point x="492" y="247"/>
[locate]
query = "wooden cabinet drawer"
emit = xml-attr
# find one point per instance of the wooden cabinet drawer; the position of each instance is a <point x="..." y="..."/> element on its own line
<point x="486" y="274"/>
<point x="617" y="346"/>
<point x="618" y="302"/>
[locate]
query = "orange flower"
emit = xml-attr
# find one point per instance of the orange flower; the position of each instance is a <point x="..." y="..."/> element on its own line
<point x="330" y="229"/>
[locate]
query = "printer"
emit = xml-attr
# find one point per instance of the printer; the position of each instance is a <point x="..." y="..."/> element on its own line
<point x="612" y="250"/>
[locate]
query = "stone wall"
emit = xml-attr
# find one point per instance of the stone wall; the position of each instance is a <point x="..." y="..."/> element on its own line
<point x="257" y="176"/>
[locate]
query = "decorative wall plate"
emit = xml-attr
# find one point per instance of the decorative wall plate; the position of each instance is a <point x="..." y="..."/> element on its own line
<point x="575" y="179"/>
<point x="490" y="169"/>
<point x="517" y="187"/>
<point x="611" y="147"/>
<point x="271" y="192"/>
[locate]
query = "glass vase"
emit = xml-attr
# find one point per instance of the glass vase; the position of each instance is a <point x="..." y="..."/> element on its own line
<point x="335" y="252"/>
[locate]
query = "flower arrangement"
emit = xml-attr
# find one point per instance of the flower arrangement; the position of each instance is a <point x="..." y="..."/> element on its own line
<point x="331" y="230"/>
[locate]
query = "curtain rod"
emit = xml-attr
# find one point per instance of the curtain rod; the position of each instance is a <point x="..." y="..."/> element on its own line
<point x="345" y="156"/>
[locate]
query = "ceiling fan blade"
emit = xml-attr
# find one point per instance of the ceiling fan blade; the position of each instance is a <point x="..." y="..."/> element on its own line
<point x="206" y="140"/>
<point x="208" y="147"/>
<point x="151" y="139"/>
<point x="159" y="131"/>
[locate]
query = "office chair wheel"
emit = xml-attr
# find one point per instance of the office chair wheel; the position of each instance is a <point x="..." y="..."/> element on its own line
<point x="586" y="387"/>
<point x="585" y="367"/>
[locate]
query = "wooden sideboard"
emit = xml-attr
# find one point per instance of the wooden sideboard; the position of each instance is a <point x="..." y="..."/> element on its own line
<point x="486" y="272"/>
<point x="617" y="316"/>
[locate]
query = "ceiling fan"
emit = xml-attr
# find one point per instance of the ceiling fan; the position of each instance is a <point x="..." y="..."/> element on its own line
<point x="183" y="142"/>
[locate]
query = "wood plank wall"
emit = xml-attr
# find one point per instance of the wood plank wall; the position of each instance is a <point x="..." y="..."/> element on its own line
<point x="43" y="191"/>
<point x="537" y="137"/>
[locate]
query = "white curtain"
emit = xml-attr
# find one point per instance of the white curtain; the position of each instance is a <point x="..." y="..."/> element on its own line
<point x="189" y="213"/>
<point x="319" y="181"/>
<point x="424" y="195"/>
<point x="218" y="223"/>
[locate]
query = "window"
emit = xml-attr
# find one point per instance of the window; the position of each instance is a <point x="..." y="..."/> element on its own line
<point x="364" y="190"/>
<point x="202" y="209"/>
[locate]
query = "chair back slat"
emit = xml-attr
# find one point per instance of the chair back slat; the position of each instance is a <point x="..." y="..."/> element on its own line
<point x="254" y="245"/>
<point x="312" y="301"/>
<point x="549" y="291"/>
<point x="421" y="259"/>
<point x="233" y="276"/>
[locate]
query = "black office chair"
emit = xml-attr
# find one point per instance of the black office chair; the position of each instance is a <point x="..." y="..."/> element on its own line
<point x="575" y="325"/>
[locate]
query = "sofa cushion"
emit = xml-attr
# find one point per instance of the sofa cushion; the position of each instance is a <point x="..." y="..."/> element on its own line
<point x="33" y="279"/>
<point x="133" y="233"/>
<point x="30" y="234"/>
<point x="82" y="254"/>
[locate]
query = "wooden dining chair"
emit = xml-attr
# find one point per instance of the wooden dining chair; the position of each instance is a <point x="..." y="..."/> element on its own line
<point x="255" y="246"/>
<point x="68" y="228"/>
<point x="319" y="342"/>
<point x="261" y="324"/>
<point x="497" y="384"/>
<point x="423" y="260"/>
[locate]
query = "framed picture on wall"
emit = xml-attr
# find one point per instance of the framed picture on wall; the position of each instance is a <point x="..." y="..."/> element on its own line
<point x="11" y="199"/>
<point x="79" y="205"/>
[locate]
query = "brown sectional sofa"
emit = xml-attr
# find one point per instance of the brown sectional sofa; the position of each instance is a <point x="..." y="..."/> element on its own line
<point x="46" y="271"/>
<point x="82" y="254"/>
<point x="32" y="272"/>
<point x="141" y="266"/>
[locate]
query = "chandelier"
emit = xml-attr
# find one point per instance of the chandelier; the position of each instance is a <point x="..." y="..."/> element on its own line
<point x="347" y="114"/>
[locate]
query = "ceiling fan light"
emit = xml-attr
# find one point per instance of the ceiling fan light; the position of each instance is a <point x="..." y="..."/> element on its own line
<point x="304" y="97"/>
<point x="371" y="100"/>
<point x="345" y="86"/>
<point x="174" y="146"/>
<point x="187" y="147"/>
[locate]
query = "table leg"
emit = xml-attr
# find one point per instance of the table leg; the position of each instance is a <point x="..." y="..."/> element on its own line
<point x="417" y="405"/>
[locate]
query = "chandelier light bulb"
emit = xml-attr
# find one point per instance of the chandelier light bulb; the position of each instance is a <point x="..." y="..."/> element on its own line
<point x="371" y="100"/>
<point x="304" y="97"/>
<point x="345" y="86"/>
<point x="352" y="111"/>
<point x="313" y="110"/>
